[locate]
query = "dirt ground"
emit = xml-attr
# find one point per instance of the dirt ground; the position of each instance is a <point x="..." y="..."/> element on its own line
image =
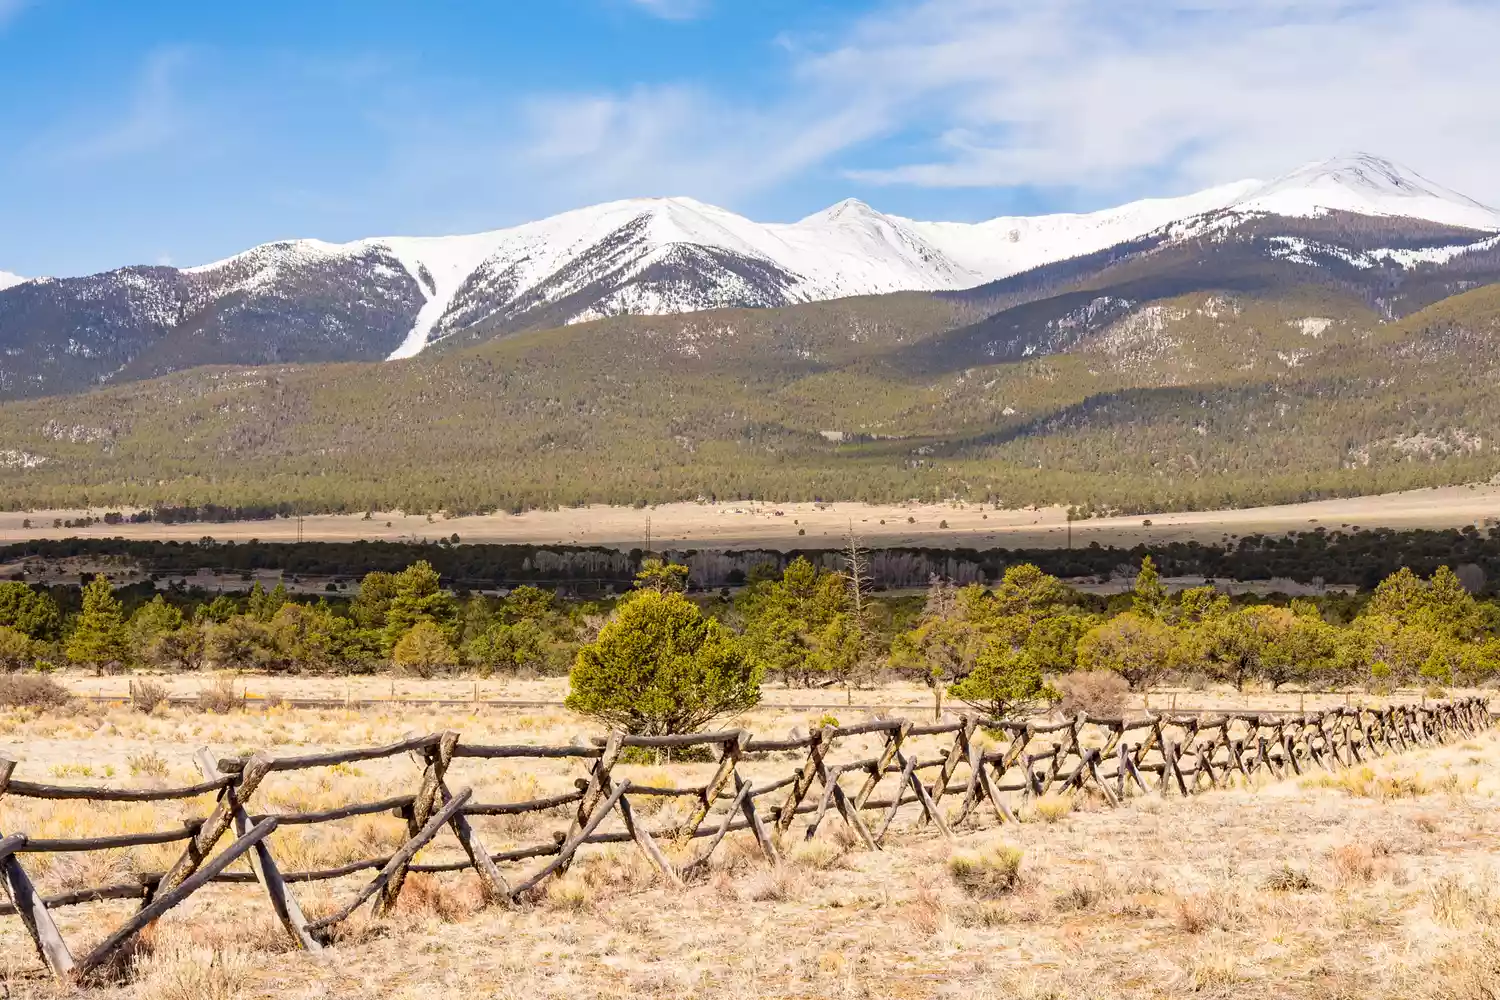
<point x="759" y="525"/>
<point x="1363" y="884"/>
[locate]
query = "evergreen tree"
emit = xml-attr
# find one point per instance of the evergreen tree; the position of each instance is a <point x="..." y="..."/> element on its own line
<point x="313" y="638"/>
<point x="1149" y="593"/>
<point x="149" y="626"/>
<point x="1006" y="681"/>
<point x="263" y="605"/>
<point x="99" y="638"/>
<point x="418" y="596"/>
<point x="17" y="650"/>
<point x="1137" y="647"/>
<point x="663" y="577"/>
<point x="661" y="667"/>
<point x="33" y="614"/>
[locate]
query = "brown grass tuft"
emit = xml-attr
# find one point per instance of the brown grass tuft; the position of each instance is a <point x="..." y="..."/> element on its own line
<point x="181" y="970"/>
<point x="1288" y="879"/>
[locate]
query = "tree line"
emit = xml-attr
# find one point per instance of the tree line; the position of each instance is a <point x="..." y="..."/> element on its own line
<point x="1331" y="554"/>
<point x="658" y="658"/>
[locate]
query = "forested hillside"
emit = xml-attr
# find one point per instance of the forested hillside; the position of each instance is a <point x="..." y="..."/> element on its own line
<point x="1296" y="385"/>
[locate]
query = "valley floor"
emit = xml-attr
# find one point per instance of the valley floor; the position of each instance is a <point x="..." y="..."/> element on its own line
<point x="742" y="525"/>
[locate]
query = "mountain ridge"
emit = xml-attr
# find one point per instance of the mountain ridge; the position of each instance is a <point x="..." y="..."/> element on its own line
<point x="395" y="297"/>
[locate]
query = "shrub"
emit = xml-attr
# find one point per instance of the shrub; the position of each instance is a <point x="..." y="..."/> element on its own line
<point x="1135" y="646"/>
<point x="219" y="697"/>
<point x="17" y="651"/>
<point x="32" y="691"/>
<point x="1100" y="693"/>
<point x="989" y="873"/>
<point x="661" y="667"/>
<point x="147" y="694"/>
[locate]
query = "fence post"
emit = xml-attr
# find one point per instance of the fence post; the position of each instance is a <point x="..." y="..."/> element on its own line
<point x="265" y="868"/>
<point x="256" y="768"/>
<point x="422" y="807"/>
<point x="29" y="906"/>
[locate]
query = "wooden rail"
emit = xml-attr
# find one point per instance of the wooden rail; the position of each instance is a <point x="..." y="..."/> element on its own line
<point x="946" y="775"/>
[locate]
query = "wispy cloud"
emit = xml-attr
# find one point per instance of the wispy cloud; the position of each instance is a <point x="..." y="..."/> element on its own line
<point x="153" y="116"/>
<point x="674" y="140"/>
<point x="673" y="10"/>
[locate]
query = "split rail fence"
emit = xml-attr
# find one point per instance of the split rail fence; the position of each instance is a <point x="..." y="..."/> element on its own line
<point x="984" y="766"/>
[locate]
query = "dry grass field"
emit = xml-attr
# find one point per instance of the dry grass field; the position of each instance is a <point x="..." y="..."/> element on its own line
<point x="734" y="525"/>
<point x="1380" y="881"/>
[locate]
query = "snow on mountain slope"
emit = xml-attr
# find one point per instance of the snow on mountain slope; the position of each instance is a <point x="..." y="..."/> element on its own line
<point x="1366" y="185"/>
<point x="1009" y="245"/>
<point x="7" y="279"/>
<point x="667" y="255"/>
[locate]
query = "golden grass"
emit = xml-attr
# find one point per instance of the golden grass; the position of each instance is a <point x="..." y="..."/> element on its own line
<point x="1159" y="900"/>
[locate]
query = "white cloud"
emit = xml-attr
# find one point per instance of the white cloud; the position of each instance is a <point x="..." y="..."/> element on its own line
<point x="673" y="10"/>
<point x="1122" y="97"/>
<point x="1083" y="93"/>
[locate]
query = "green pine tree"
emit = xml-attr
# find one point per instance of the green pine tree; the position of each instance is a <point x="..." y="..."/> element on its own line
<point x="100" y="638"/>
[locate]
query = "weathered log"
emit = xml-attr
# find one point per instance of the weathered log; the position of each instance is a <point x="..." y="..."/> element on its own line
<point x="217" y="823"/>
<point x="33" y="790"/>
<point x="678" y="740"/>
<point x="936" y="729"/>
<point x="742" y="795"/>
<point x="338" y="812"/>
<point x="60" y="844"/>
<point x="516" y="808"/>
<point x="570" y="845"/>
<point x="236" y="764"/>
<point x="473" y="750"/>
<point x="424" y="801"/>
<point x="121" y="890"/>
<point x="647" y="843"/>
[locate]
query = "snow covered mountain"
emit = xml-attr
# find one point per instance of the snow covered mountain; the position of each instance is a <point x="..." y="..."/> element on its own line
<point x="1366" y="185"/>
<point x="8" y="280"/>
<point x="308" y="300"/>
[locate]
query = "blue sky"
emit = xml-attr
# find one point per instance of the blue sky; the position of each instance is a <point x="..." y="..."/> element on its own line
<point x="180" y="132"/>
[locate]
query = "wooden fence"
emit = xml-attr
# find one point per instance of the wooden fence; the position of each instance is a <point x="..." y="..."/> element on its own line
<point x="987" y="767"/>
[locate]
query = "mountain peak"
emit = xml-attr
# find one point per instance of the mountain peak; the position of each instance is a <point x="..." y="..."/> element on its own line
<point x="7" y="279"/>
<point x="1366" y="184"/>
<point x="848" y="210"/>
